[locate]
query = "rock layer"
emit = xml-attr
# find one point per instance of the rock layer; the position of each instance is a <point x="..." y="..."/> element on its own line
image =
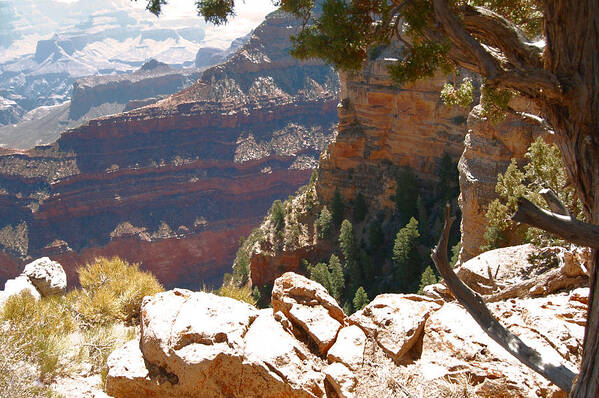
<point x="175" y="184"/>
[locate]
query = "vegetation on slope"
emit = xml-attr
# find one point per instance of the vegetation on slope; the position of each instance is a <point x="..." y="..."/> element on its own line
<point x="52" y="337"/>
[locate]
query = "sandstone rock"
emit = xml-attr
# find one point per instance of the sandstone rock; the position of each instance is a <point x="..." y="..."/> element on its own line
<point x="396" y="321"/>
<point x="17" y="286"/>
<point x="47" y="276"/>
<point x="349" y="347"/>
<point x="341" y="379"/>
<point x="202" y="345"/>
<point x="454" y="341"/>
<point x="309" y="307"/>
<point x="488" y="150"/>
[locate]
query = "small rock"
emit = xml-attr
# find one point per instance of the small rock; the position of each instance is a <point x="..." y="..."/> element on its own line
<point x="349" y="347"/>
<point x="47" y="276"/>
<point x="341" y="379"/>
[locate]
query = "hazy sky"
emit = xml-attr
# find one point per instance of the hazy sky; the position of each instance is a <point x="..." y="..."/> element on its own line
<point x="248" y="15"/>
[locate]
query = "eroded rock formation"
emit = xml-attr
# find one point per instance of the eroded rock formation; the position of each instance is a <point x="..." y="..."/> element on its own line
<point x="175" y="184"/>
<point x="201" y="345"/>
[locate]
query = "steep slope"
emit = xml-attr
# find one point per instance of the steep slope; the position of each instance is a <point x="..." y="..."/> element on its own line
<point x="175" y="184"/>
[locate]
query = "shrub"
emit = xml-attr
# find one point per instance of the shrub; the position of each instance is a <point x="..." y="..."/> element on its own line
<point x="112" y="290"/>
<point x="277" y="215"/>
<point x="243" y="293"/>
<point x="41" y="326"/>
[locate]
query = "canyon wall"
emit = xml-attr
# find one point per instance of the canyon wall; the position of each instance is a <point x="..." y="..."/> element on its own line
<point x="175" y="184"/>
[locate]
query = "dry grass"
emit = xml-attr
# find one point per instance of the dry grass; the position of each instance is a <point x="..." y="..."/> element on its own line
<point x="243" y="293"/>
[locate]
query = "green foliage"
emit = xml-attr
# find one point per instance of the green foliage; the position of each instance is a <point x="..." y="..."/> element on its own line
<point x="347" y="242"/>
<point x="112" y="290"/>
<point x="428" y="277"/>
<point x="360" y="299"/>
<point x="494" y="103"/>
<point x="543" y="169"/>
<point x="215" y="11"/>
<point x="406" y="195"/>
<point x="243" y="293"/>
<point x="330" y="276"/>
<point x="423" y="61"/>
<point x="360" y="208"/>
<point x="277" y="215"/>
<point x="323" y="223"/>
<point x="405" y="258"/>
<point x="241" y="268"/>
<point x="337" y="208"/>
<point x="462" y="96"/>
<point x="313" y="177"/>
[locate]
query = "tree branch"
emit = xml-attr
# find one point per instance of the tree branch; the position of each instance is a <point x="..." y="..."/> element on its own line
<point x="565" y="227"/>
<point x="474" y="304"/>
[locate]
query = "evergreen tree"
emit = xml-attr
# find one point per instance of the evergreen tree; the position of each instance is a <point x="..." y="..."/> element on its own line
<point x="320" y="273"/>
<point x="337" y="208"/>
<point x="313" y="177"/>
<point x="406" y="195"/>
<point x="360" y="299"/>
<point x="277" y="215"/>
<point x="360" y="208"/>
<point x="375" y="235"/>
<point x="347" y="242"/>
<point x="428" y="277"/>
<point x="406" y="261"/>
<point x="337" y="279"/>
<point x="323" y="223"/>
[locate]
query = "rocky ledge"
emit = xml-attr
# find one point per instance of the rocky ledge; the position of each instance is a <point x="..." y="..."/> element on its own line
<point x="196" y="344"/>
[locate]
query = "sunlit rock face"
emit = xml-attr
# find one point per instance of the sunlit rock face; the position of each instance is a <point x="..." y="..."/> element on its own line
<point x="175" y="184"/>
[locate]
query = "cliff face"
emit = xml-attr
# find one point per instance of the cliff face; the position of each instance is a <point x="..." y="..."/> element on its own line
<point x="488" y="150"/>
<point x="175" y="184"/>
<point x="383" y="127"/>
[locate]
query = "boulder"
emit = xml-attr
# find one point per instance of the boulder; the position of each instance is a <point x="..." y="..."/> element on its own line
<point x="196" y="344"/>
<point x="396" y="321"/>
<point x="47" y="276"/>
<point x="16" y="286"/>
<point x="309" y="308"/>
<point x="349" y="347"/>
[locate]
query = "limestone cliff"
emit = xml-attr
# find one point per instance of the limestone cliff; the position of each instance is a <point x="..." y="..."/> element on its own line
<point x="174" y="185"/>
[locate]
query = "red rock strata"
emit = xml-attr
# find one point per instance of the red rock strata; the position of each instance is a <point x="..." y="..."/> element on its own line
<point x="174" y="185"/>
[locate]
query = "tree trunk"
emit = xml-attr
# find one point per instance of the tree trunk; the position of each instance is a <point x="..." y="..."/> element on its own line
<point x="572" y="54"/>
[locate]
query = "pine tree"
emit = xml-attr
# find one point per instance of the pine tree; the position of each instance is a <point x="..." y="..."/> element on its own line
<point x="347" y="242"/>
<point x="323" y="223"/>
<point x="277" y="215"/>
<point x="337" y="280"/>
<point x="406" y="261"/>
<point x="428" y="277"/>
<point x="360" y="299"/>
<point x="320" y="273"/>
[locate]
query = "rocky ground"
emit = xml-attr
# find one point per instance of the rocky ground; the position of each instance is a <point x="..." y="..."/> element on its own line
<point x="195" y="344"/>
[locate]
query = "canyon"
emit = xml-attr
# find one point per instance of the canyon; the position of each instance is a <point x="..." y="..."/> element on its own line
<point x="175" y="184"/>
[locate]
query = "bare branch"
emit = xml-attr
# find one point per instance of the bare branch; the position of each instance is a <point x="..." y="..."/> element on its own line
<point x="568" y="228"/>
<point x="474" y="304"/>
<point x="553" y="202"/>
